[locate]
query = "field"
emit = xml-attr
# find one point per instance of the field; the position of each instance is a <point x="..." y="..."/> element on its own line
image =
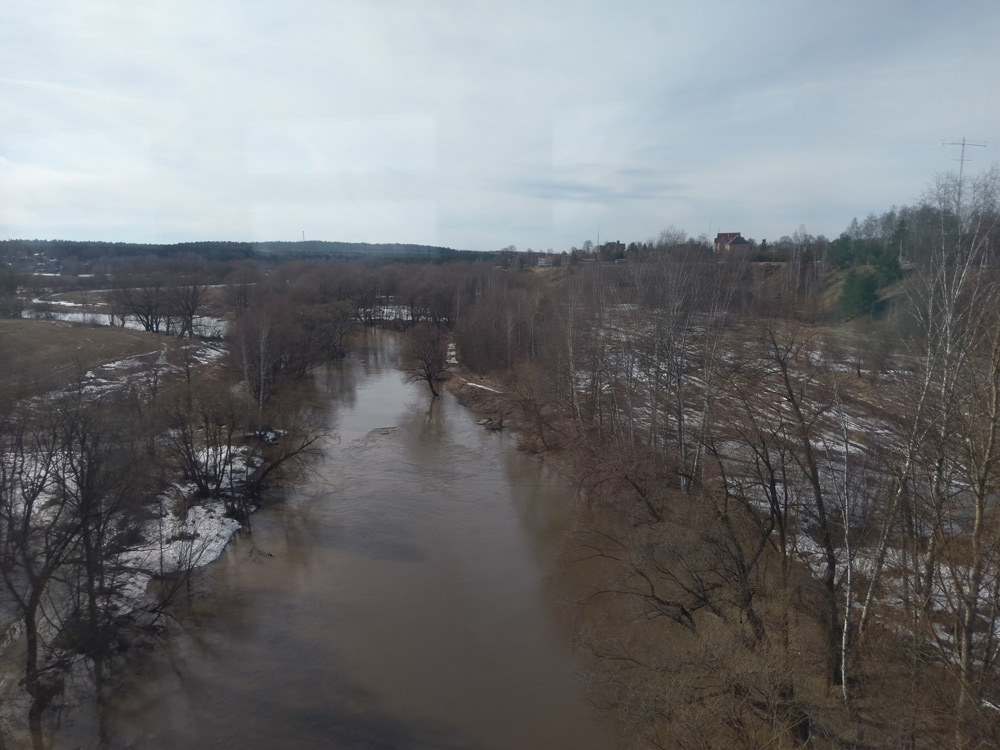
<point x="42" y="355"/>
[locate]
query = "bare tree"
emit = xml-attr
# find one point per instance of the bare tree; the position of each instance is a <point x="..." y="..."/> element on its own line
<point x="255" y="353"/>
<point x="204" y="437"/>
<point x="104" y="476"/>
<point x="424" y="355"/>
<point x="314" y="334"/>
<point x="186" y="297"/>
<point x="795" y="383"/>
<point x="950" y="428"/>
<point x="38" y="533"/>
<point x="239" y="288"/>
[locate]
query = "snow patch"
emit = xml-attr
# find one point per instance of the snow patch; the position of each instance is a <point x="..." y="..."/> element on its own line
<point x="484" y="387"/>
<point x="178" y="544"/>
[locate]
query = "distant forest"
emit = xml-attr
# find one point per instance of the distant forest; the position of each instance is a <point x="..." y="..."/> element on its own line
<point x="89" y="251"/>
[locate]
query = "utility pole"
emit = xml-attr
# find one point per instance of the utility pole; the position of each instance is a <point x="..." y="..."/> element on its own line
<point x="961" y="183"/>
<point x="961" y="161"/>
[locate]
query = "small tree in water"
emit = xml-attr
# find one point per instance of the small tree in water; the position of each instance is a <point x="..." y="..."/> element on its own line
<point x="424" y="354"/>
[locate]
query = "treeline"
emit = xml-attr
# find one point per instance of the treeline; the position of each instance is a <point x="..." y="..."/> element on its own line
<point x="38" y="267"/>
<point x="88" y="252"/>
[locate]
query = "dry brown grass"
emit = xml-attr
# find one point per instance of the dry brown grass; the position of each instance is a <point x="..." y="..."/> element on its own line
<point x="39" y="355"/>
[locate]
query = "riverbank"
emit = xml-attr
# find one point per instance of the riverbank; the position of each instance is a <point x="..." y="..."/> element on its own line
<point x="481" y="395"/>
<point x="490" y="397"/>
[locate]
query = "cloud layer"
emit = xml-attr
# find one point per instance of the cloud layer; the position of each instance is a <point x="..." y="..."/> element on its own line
<point x="478" y="125"/>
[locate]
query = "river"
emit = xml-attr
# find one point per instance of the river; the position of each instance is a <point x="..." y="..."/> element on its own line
<point x="404" y="598"/>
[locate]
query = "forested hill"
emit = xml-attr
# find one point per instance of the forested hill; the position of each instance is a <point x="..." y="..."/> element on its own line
<point x="88" y="251"/>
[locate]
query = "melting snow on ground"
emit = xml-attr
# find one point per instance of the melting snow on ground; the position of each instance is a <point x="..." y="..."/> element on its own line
<point x="484" y="387"/>
<point x="180" y="543"/>
<point x="176" y="544"/>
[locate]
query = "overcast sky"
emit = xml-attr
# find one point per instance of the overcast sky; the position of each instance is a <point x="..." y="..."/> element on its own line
<point x="477" y="125"/>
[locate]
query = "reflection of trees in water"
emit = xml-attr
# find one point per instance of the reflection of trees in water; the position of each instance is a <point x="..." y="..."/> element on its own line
<point x="543" y="501"/>
<point x="288" y="689"/>
<point x="338" y="383"/>
<point x="376" y="350"/>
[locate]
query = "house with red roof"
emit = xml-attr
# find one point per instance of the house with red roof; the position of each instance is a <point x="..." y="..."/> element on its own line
<point x="726" y="241"/>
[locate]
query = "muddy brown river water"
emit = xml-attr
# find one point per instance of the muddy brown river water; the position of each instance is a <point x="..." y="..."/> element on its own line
<point x="405" y="598"/>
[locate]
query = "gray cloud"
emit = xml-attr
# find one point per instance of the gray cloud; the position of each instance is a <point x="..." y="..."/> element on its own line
<point x="480" y="124"/>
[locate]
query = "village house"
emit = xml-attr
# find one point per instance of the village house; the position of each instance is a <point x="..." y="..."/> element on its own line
<point x="726" y="241"/>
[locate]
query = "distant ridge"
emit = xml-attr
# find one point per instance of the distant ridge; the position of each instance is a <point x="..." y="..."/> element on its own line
<point x="223" y="250"/>
<point x="321" y="247"/>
